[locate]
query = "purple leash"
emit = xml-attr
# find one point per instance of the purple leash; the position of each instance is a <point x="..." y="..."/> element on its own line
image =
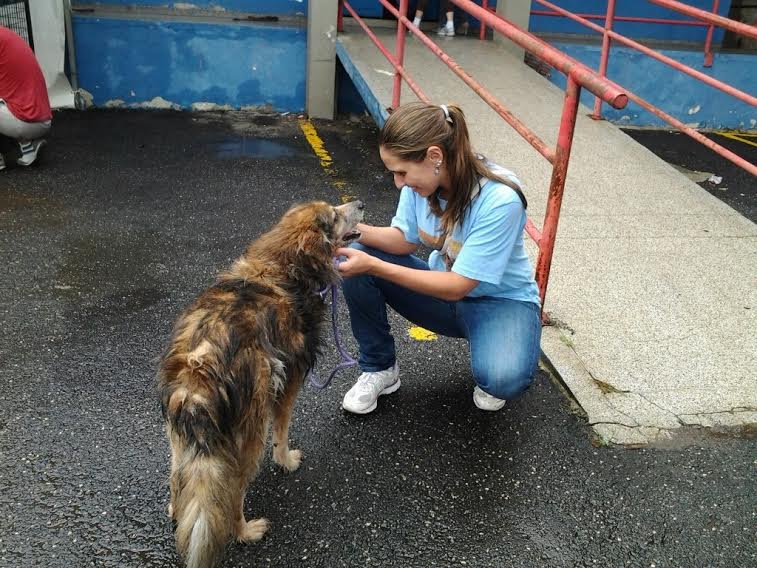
<point x="347" y="360"/>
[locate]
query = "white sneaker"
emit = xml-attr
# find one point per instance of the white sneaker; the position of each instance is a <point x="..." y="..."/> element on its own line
<point x="362" y="397"/>
<point x="485" y="401"/>
<point x="447" y="30"/>
<point x="29" y="152"/>
<point x="2" y="163"/>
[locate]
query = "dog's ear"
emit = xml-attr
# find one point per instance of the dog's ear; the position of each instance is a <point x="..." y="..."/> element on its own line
<point x="325" y="219"/>
<point x="313" y="241"/>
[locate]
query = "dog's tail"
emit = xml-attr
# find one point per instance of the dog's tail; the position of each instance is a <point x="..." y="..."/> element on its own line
<point x="204" y="475"/>
<point x="202" y="508"/>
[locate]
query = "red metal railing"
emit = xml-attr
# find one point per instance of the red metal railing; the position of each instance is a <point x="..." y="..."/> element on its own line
<point x="578" y="76"/>
<point x="708" y="55"/>
<point x="636" y="19"/>
<point x="709" y="20"/>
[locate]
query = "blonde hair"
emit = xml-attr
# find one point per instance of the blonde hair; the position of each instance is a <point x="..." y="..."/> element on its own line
<point x="414" y="127"/>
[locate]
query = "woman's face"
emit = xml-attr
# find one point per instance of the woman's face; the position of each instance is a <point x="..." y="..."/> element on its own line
<point x="419" y="176"/>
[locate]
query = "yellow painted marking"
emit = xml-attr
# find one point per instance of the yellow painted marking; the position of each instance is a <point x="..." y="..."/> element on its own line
<point x="420" y="334"/>
<point x="316" y="143"/>
<point x="327" y="161"/>
<point x="739" y="138"/>
<point x="741" y="133"/>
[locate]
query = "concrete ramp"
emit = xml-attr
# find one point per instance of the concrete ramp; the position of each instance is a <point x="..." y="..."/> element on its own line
<point x="653" y="283"/>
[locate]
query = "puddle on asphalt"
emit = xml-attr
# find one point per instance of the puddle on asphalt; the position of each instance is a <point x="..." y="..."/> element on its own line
<point x="252" y="147"/>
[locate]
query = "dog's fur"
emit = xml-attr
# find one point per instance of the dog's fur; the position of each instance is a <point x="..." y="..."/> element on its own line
<point x="236" y="361"/>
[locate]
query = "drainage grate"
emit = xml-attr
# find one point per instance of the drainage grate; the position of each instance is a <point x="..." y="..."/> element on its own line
<point x="14" y="14"/>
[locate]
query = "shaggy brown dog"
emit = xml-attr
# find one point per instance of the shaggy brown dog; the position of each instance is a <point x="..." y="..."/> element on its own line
<point x="237" y="359"/>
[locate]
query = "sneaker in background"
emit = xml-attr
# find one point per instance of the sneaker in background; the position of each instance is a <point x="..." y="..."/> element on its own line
<point x="447" y="30"/>
<point x="362" y="397"/>
<point x="29" y="152"/>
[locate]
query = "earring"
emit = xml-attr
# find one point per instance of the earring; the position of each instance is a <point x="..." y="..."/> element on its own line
<point x="436" y="167"/>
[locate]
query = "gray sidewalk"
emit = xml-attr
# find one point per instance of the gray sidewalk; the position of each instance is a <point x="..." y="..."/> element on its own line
<point x="653" y="280"/>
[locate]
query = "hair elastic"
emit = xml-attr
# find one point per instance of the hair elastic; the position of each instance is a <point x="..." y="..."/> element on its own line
<point x="446" y="113"/>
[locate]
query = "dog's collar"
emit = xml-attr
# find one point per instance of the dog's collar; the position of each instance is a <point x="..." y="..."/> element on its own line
<point x="324" y="292"/>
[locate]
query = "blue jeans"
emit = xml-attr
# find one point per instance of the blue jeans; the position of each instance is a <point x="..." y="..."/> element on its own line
<point x="503" y="334"/>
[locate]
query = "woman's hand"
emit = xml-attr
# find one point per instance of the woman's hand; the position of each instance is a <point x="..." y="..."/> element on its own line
<point x="356" y="263"/>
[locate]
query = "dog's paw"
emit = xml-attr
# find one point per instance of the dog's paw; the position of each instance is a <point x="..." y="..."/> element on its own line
<point x="291" y="461"/>
<point x="170" y="511"/>
<point x="253" y="530"/>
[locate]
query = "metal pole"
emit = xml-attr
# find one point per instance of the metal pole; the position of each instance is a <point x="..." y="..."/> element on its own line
<point x="726" y="88"/>
<point x="485" y="95"/>
<point x="623" y="18"/>
<point x="725" y="152"/>
<point x="70" y="44"/>
<point x="399" y="54"/>
<point x="557" y="185"/>
<point x="588" y="78"/>
<point x="482" y="25"/>
<point x="606" y="41"/>
<point x="340" y="17"/>
<point x="708" y="41"/>
<point x="385" y="52"/>
<point x="29" y="30"/>
<point x="733" y="25"/>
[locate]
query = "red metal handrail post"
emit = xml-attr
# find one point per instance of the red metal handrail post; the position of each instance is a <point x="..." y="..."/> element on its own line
<point x="708" y="42"/>
<point x="557" y="184"/>
<point x="385" y="52"/>
<point x="481" y="24"/>
<point x="340" y="16"/>
<point x="606" y="43"/>
<point x="399" y="54"/>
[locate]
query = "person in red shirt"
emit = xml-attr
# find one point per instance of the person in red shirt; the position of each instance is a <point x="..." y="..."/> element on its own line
<point x="25" y="113"/>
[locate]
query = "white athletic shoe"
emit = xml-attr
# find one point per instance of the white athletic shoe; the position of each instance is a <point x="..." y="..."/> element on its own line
<point x="485" y="401"/>
<point x="29" y="152"/>
<point x="2" y="163"/>
<point x="362" y="397"/>
<point x="447" y="30"/>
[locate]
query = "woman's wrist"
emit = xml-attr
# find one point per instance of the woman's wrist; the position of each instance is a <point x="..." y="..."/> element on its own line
<point x="374" y="267"/>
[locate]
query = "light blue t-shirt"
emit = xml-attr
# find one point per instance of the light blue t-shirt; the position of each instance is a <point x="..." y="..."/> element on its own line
<point x="488" y="245"/>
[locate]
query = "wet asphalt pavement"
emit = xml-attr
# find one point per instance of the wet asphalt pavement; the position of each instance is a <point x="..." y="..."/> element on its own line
<point x="127" y="218"/>
<point x="736" y="187"/>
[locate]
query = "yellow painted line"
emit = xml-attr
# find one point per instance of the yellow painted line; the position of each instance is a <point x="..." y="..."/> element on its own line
<point x="739" y="138"/>
<point x="741" y="133"/>
<point x="327" y="162"/>
<point x="317" y="144"/>
<point x="420" y="334"/>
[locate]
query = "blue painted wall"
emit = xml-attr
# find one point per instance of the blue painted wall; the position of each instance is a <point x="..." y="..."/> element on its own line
<point x="185" y="63"/>
<point x="374" y="9"/>
<point x="280" y="7"/>
<point x="687" y="99"/>
<point x="551" y="24"/>
<point x="637" y="8"/>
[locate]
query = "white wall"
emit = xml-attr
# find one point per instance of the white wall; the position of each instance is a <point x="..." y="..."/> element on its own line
<point x="48" y="29"/>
